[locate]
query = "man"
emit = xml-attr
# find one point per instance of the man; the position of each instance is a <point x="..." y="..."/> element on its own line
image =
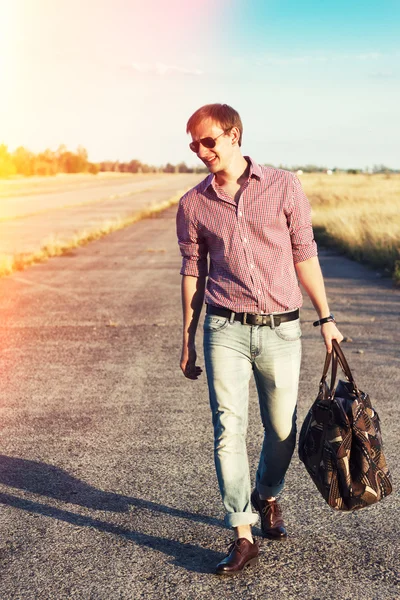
<point x="254" y="223"/>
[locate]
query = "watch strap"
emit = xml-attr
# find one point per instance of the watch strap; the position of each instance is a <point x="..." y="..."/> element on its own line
<point x="329" y="319"/>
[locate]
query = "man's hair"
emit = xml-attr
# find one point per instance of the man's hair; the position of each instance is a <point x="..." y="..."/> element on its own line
<point x="224" y="115"/>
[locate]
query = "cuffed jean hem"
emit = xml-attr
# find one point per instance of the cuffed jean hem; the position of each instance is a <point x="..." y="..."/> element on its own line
<point x="240" y="518"/>
<point x="270" y="490"/>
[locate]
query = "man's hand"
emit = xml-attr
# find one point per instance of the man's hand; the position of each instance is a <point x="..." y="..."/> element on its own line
<point x="330" y="332"/>
<point x="188" y="362"/>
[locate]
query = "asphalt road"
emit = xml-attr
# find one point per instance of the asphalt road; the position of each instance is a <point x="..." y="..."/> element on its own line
<point x="107" y="484"/>
<point x="39" y="211"/>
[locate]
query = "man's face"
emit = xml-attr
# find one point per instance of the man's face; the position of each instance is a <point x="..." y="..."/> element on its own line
<point x="217" y="158"/>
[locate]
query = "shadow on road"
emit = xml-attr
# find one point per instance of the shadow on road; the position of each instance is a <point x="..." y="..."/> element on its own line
<point x="53" y="482"/>
<point x="188" y="556"/>
<point x="48" y="480"/>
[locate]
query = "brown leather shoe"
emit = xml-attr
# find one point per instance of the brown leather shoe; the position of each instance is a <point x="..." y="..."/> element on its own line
<point x="272" y="524"/>
<point x="242" y="553"/>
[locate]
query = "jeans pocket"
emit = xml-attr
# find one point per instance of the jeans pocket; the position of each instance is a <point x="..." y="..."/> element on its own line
<point x="215" y="323"/>
<point x="290" y="331"/>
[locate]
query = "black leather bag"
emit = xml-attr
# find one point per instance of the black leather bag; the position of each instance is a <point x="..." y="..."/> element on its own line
<point x="340" y="442"/>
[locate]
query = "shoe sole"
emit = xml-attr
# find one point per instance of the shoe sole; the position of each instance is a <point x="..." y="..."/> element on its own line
<point x="281" y="538"/>
<point x="267" y="535"/>
<point x="251" y="563"/>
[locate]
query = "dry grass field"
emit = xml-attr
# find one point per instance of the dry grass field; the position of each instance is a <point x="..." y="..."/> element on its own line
<point x="359" y="215"/>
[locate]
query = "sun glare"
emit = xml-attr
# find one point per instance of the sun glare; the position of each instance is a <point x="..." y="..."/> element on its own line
<point x="8" y="65"/>
<point x="7" y="36"/>
<point x="7" y="30"/>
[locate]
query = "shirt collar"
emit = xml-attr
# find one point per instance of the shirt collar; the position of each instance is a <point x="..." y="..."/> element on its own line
<point x="255" y="171"/>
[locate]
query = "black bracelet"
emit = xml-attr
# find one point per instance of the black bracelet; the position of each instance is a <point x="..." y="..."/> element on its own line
<point x="329" y="319"/>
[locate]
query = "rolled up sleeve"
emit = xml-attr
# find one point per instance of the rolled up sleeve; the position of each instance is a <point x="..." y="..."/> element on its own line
<point x="193" y="248"/>
<point x="298" y="215"/>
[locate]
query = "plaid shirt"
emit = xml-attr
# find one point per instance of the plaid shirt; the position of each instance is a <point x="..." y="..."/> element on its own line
<point x="253" y="245"/>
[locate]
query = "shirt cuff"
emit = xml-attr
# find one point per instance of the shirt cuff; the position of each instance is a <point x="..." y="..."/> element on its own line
<point x="194" y="267"/>
<point x="303" y="253"/>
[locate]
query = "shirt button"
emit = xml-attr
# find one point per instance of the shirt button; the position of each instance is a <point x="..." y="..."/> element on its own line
<point x="245" y="240"/>
<point x="240" y="214"/>
<point x="251" y="266"/>
<point x="258" y="291"/>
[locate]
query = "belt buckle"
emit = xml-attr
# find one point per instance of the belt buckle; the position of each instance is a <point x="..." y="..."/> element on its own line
<point x="267" y="320"/>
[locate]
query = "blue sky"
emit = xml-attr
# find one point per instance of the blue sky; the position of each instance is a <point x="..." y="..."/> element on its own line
<point x="314" y="82"/>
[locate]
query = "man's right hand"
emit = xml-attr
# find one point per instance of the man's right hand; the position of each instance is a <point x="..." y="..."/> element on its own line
<point x="188" y="363"/>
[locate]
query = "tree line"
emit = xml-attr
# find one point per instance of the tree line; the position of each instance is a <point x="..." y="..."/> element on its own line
<point x="62" y="160"/>
<point x="49" y="162"/>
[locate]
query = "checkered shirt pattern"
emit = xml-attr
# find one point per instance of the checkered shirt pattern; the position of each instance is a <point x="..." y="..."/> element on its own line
<point x="253" y="244"/>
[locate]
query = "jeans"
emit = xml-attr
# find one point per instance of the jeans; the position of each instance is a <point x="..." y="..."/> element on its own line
<point x="232" y="352"/>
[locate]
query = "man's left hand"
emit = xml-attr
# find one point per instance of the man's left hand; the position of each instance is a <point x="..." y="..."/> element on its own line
<point x="330" y="332"/>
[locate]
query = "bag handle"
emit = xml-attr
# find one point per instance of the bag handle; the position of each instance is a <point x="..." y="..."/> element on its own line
<point x="329" y="356"/>
<point x="343" y="362"/>
<point x="337" y="356"/>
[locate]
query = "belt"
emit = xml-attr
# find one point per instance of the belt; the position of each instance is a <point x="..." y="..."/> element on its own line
<point x="252" y="319"/>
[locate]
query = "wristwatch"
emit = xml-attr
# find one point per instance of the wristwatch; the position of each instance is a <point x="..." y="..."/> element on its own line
<point x="325" y="320"/>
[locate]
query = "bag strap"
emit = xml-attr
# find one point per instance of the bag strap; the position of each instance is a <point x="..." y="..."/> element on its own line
<point x="343" y="362"/>
<point x="329" y="356"/>
<point x="334" y="370"/>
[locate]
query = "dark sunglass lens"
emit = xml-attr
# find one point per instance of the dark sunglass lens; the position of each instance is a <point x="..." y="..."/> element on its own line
<point x="194" y="146"/>
<point x="208" y="142"/>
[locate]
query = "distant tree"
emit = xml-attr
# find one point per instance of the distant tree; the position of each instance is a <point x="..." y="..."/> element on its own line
<point x="312" y="169"/>
<point x="182" y="168"/>
<point x="169" y="168"/>
<point x="71" y="162"/>
<point x="83" y="159"/>
<point x="46" y="163"/>
<point x="382" y="169"/>
<point x="123" y="168"/>
<point x="7" y="166"/>
<point x="24" y="161"/>
<point x="106" y="165"/>
<point x="93" y="168"/>
<point x="134" y="166"/>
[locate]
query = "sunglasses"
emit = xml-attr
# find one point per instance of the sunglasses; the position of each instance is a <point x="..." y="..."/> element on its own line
<point x="207" y="142"/>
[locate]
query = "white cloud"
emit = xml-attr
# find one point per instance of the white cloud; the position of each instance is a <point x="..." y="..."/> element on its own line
<point x="369" y="56"/>
<point x="140" y="67"/>
<point x="162" y="69"/>
<point x="286" y="60"/>
<point x="383" y="74"/>
<point x="275" y="60"/>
